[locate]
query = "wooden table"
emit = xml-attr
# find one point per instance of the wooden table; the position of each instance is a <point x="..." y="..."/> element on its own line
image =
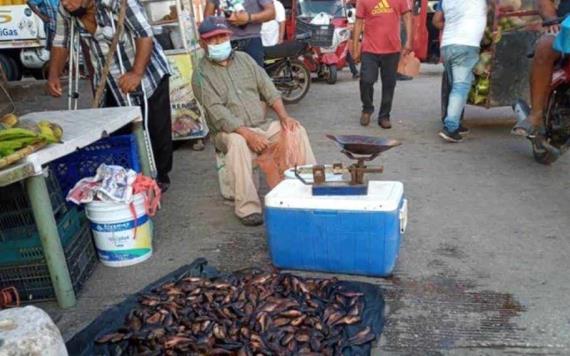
<point x="80" y="128"/>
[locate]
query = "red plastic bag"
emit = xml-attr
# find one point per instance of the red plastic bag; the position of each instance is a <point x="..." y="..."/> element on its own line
<point x="409" y="65"/>
<point x="280" y="156"/>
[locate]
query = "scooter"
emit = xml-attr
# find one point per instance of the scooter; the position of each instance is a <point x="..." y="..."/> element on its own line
<point x="330" y="36"/>
<point x="327" y="61"/>
<point x="290" y="75"/>
<point x="548" y="146"/>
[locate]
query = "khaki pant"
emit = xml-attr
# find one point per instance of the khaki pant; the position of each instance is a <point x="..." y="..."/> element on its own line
<point x="240" y="162"/>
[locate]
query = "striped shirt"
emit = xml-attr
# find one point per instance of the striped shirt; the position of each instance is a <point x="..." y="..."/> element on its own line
<point x="136" y="26"/>
<point x="49" y="9"/>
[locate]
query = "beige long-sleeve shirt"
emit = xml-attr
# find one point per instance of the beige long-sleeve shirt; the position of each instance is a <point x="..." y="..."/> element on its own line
<point x="232" y="95"/>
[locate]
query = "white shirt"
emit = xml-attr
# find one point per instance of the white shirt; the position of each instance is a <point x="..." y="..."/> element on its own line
<point x="465" y="22"/>
<point x="270" y="29"/>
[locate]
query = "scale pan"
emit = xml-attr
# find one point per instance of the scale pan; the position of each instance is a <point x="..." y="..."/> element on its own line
<point x="364" y="145"/>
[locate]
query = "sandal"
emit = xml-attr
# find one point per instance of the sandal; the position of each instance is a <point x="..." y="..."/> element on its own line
<point x="526" y="129"/>
<point x="254" y="219"/>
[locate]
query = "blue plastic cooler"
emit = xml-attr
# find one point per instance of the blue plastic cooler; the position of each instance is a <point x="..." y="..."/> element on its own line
<point x="340" y="234"/>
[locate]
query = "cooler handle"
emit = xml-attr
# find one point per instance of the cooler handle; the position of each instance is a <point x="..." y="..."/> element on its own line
<point x="404" y="216"/>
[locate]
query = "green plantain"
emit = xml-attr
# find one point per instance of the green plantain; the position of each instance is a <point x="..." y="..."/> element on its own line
<point x="16" y="132"/>
<point x="7" y="147"/>
<point x="51" y="132"/>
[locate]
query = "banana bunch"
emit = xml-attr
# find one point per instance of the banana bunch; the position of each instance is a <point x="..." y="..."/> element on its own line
<point x="7" y="121"/>
<point x="13" y="139"/>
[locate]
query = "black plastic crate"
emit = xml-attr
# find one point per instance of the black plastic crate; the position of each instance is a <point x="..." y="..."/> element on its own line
<point x="16" y="210"/>
<point x="321" y="35"/>
<point x="32" y="279"/>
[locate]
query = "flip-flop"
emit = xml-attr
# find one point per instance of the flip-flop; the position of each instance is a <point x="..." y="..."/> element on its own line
<point x="524" y="128"/>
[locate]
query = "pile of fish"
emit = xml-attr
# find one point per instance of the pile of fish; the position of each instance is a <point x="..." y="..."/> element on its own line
<point x="242" y="314"/>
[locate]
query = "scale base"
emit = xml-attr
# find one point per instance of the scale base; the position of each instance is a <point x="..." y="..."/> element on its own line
<point x="340" y="189"/>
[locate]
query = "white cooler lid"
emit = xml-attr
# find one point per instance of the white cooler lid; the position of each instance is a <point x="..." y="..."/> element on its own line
<point x="292" y="194"/>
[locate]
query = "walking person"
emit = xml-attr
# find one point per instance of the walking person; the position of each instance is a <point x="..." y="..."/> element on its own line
<point x="379" y="53"/>
<point x="351" y="4"/>
<point x="273" y="32"/>
<point x="463" y="23"/>
<point x="245" y="18"/>
<point x="146" y="66"/>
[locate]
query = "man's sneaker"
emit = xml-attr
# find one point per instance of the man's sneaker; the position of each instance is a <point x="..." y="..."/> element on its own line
<point x="463" y="131"/>
<point x="385" y="123"/>
<point x="254" y="219"/>
<point x="450" y="136"/>
<point x="365" y="118"/>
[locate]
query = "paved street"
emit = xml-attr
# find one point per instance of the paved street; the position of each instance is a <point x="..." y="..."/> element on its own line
<point x="483" y="268"/>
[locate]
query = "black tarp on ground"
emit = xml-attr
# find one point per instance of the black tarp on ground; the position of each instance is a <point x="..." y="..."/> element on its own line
<point x="82" y="344"/>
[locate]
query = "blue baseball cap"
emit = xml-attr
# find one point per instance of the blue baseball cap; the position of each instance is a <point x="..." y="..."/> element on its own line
<point x="213" y="26"/>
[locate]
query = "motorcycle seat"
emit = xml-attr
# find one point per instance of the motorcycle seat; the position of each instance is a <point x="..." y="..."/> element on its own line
<point x="283" y="50"/>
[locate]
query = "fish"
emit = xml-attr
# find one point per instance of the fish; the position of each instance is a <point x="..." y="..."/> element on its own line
<point x="348" y="320"/>
<point x="293" y="314"/>
<point x="110" y="338"/>
<point x="298" y="321"/>
<point x="243" y="314"/>
<point x="362" y="337"/>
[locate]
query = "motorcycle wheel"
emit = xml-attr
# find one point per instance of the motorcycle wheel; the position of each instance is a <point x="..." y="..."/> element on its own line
<point x="332" y="74"/>
<point x="294" y="72"/>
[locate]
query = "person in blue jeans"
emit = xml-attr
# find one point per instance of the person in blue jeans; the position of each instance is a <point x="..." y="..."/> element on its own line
<point x="463" y="23"/>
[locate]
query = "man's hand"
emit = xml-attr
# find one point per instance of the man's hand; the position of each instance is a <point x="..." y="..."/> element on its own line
<point x="288" y="123"/>
<point x="129" y="82"/>
<point x="407" y="49"/>
<point x="53" y="87"/>
<point x="356" y="56"/>
<point x="256" y="142"/>
<point x="239" y="18"/>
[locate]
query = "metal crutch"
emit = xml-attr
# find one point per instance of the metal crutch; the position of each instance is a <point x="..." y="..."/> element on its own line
<point x="73" y="87"/>
<point x="148" y="143"/>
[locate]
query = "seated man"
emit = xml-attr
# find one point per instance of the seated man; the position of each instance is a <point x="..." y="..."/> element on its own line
<point x="542" y="67"/>
<point x="234" y="92"/>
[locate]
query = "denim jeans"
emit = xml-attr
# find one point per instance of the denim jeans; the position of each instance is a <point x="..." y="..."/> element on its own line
<point x="252" y="46"/>
<point x="458" y="61"/>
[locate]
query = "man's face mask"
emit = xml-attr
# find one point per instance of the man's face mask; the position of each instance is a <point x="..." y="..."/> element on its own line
<point x="79" y="12"/>
<point x="219" y="52"/>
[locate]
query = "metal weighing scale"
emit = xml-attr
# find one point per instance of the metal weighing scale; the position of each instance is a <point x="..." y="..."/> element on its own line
<point x="362" y="149"/>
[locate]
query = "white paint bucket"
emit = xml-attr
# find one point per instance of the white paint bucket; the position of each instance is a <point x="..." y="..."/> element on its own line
<point x="122" y="238"/>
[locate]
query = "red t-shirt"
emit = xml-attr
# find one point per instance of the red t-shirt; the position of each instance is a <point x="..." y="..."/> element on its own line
<point x="381" y="24"/>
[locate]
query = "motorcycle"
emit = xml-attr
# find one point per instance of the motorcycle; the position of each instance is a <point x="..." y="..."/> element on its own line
<point x="290" y="75"/>
<point x="547" y="147"/>
<point x="330" y="30"/>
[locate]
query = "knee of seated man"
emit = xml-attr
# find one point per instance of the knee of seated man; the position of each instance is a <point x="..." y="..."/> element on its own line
<point x="236" y="140"/>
